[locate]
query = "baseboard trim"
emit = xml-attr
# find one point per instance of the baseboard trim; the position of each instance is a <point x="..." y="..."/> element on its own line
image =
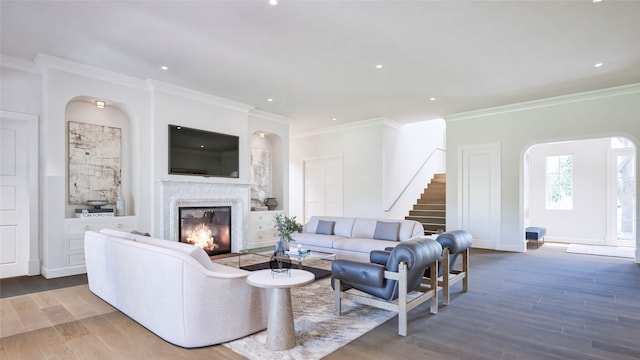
<point x="60" y="272"/>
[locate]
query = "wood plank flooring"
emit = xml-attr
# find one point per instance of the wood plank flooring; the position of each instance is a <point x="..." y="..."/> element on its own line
<point x="545" y="304"/>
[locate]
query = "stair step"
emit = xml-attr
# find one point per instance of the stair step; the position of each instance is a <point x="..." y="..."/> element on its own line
<point x="431" y="202"/>
<point x="440" y="207"/>
<point x="437" y="213"/>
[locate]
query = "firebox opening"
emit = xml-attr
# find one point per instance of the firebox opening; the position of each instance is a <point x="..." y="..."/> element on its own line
<point x="207" y="227"/>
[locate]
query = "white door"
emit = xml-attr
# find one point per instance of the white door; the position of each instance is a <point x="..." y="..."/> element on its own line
<point x="479" y="199"/>
<point x="621" y="230"/>
<point x="323" y="187"/>
<point x="15" y="227"/>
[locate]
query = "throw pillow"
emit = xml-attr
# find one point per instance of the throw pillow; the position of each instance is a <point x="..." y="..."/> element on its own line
<point x="325" y="227"/>
<point x="387" y="230"/>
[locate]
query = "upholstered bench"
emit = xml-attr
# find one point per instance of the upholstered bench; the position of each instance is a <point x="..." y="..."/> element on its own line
<point x="535" y="234"/>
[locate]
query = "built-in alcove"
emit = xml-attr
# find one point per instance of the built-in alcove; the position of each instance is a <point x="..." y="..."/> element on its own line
<point x="266" y="170"/>
<point x="83" y="112"/>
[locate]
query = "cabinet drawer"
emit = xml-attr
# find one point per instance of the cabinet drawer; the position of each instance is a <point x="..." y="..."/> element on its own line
<point x="80" y="226"/>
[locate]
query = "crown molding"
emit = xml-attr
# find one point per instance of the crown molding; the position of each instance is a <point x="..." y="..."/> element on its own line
<point x="17" y="63"/>
<point x="159" y="86"/>
<point x="46" y="62"/>
<point x="344" y="127"/>
<point x="264" y="115"/>
<point x="547" y="102"/>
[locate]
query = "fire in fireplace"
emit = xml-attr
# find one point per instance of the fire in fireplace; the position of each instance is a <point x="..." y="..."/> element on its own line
<point x="207" y="227"/>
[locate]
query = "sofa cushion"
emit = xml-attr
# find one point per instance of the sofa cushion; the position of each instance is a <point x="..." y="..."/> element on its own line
<point x="362" y="245"/>
<point x="387" y="230"/>
<point x="364" y="228"/>
<point x="343" y="226"/>
<point x="318" y="240"/>
<point x="325" y="227"/>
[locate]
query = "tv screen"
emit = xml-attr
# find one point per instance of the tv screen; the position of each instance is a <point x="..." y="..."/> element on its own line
<point x="204" y="153"/>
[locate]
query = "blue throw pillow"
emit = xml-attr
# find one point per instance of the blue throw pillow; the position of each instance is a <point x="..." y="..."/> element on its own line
<point x="325" y="227"/>
<point x="387" y="230"/>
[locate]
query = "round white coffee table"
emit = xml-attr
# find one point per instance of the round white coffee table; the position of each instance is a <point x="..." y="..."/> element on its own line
<point x="281" y="334"/>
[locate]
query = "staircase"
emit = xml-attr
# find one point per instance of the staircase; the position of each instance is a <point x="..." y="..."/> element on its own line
<point x="430" y="210"/>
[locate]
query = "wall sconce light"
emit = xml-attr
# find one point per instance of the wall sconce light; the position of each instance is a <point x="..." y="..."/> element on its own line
<point x="100" y="104"/>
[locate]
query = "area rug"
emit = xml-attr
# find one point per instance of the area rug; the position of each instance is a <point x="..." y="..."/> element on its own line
<point x="319" y="273"/>
<point x="319" y="331"/>
<point x="615" y="251"/>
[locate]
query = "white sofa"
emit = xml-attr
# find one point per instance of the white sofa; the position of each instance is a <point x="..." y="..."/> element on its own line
<point x="173" y="289"/>
<point x="354" y="238"/>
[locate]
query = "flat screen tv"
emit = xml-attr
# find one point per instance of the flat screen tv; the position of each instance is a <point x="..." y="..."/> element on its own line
<point x="203" y="153"/>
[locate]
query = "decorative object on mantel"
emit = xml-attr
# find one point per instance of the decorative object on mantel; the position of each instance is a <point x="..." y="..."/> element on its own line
<point x="285" y="226"/>
<point x="271" y="203"/>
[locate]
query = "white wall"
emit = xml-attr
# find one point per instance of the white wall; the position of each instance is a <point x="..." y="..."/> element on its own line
<point x="605" y="113"/>
<point x="47" y="87"/>
<point x="586" y="222"/>
<point x="380" y="158"/>
<point x="406" y="149"/>
<point x="360" y="146"/>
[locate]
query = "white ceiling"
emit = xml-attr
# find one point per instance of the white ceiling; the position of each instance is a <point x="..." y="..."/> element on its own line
<point x="316" y="59"/>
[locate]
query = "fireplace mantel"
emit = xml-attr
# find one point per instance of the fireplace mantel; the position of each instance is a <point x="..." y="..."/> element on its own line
<point x="172" y="194"/>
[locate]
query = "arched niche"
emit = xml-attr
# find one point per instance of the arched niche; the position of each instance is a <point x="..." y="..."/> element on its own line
<point x="267" y="168"/>
<point x="84" y="110"/>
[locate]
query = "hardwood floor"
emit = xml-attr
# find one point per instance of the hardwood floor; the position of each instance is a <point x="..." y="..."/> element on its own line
<point x="545" y="304"/>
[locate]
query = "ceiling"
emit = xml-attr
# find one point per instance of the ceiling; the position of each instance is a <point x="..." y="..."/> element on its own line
<point x="317" y="60"/>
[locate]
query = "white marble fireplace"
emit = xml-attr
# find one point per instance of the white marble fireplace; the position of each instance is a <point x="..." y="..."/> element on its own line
<point x="171" y="195"/>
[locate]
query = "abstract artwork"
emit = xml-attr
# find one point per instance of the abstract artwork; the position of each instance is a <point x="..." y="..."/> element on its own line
<point x="260" y="174"/>
<point x="95" y="157"/>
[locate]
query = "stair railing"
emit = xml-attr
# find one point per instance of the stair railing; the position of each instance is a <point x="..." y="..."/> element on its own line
<point x="426" y="161"/>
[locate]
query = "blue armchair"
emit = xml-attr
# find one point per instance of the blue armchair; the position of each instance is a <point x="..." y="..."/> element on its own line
<point x="389" y="277"/>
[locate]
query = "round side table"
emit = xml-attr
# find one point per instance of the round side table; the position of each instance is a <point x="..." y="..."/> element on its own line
<point x="281" y="333"/>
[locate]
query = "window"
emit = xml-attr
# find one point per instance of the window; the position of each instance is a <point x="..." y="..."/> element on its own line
<point x="559" y="182"/>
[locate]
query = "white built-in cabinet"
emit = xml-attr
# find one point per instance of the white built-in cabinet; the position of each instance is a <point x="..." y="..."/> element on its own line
<point x="75" y="229"/>
<point x="261" y="229"/>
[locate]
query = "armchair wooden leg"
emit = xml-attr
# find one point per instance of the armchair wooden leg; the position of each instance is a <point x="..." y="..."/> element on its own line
<point x="434" y="287"/>
<point x="337" y="297"/>
<point x="402" y="300"/>
<point x="465" y="268"/>
<point x="445" y="277"/>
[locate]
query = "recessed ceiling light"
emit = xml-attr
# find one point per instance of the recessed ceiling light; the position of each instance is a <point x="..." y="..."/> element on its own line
<point x="598" y="64"/>
<point x="261" y="134"/>
<point x="100" y="104"/>
<point x="597" y="1"/>
<point x="164" y="68"/>
<point x="273" y="2"/>
<point x="432" y="99"/>
<point x="334" y="119"/>
<point x="269" y="100"/>
<point x="202" y="146"/>
<point x="379" y="66"/>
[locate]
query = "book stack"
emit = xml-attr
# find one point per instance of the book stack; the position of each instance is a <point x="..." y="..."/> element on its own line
<point x="93" y="213"/>
<point x="298" y="252"/>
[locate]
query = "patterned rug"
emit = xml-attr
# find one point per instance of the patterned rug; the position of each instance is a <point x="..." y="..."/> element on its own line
<point x="319" y="331"/>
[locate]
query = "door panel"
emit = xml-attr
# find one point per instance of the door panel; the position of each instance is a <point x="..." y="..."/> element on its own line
<point x="323" y="187"/>
<point x="14" y="222"/>
<point x="479" y="201"/>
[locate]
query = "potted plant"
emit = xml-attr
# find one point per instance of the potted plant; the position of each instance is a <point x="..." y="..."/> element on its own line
<point x="285" y="226"/>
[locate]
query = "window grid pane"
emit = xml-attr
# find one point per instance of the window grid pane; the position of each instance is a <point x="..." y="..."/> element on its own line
<point x="559" y="182"/>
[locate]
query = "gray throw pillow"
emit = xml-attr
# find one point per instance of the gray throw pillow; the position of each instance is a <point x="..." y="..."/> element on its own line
<point x="387" y="230"/>
<point x="325" y="227"/>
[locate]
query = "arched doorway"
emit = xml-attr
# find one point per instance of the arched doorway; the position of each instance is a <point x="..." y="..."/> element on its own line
<point x="582" y="191"/>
